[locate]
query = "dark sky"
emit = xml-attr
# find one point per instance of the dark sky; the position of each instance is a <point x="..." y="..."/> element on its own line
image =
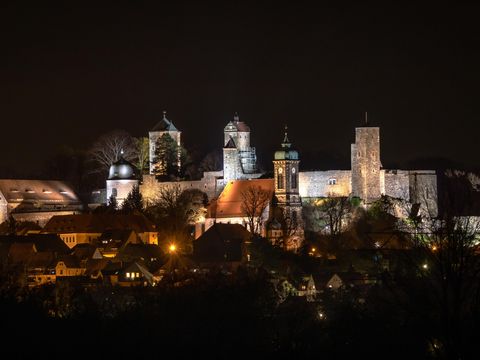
<point x="70" y="74"/>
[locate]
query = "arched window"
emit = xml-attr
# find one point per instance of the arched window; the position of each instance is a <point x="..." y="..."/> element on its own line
<point x="294" y="179"/>
<point x="280" y="182"/>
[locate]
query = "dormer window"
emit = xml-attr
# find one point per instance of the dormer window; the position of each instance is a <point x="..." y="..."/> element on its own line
<point x="63" y="191"/>
<point x="30" y="191"/>
<point x="14" y="190"/>
<point x="45" y="191"/>
<point x="332" y="181"/>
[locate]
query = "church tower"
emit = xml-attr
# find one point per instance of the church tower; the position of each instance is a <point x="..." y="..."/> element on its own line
<point x="286" y="178"/>
<point x="366" y="165"/>
<point x="164" y="126"/>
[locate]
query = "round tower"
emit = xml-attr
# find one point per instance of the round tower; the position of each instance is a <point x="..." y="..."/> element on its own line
<point x="122" y="178"/>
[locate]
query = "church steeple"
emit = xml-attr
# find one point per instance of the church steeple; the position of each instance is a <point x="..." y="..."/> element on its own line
<point x="286" y="143"/>
<point x="286" y="179"/>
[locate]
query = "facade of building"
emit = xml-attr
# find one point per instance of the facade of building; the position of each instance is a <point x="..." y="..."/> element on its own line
<point x="88" y="228"/>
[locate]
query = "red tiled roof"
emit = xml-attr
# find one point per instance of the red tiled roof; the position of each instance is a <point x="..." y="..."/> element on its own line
<point x="98" y="223"/>
<point x="229" y="203"/>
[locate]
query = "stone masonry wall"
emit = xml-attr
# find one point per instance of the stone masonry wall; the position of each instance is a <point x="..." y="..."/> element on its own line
<point x="365" y="159"/>
<point x="314" y="184"/>
<point x="150" y="187"/>
<point x="397" y="183"/>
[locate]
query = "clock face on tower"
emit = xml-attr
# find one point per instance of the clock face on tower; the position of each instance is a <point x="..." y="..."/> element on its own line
<point x="293" y="170"/>
<point x="280" y="170"/>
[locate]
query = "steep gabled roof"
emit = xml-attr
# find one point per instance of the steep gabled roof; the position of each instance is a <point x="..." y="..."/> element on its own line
<point x="98" y="223"/>
<point x="70" y="261"/>
<point x="220" y="243"/>
<point x="42" y="242"/>
<point x="164" y="124"/>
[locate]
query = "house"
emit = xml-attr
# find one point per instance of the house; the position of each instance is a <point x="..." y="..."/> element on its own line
<point x="222" y="245"/>
<point x="69" y="265"/>
<point x="135" y="274"/>
<point x="306" y="287"/>
<point x="40" y="269"/>
<point x="112" y="241"/>
<point x="35" y="255"/>
<point x="88" y="228"/>
<point x="229" y="207"/>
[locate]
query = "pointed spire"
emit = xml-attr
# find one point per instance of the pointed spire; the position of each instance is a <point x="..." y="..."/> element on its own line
<point x="286" y="142"/>
<point x="164" y="114"/>
<point x="236" y="118"/>
<point x="366" y="118"/>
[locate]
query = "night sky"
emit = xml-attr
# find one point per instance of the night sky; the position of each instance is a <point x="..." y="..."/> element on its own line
<point x="70" y="74"/>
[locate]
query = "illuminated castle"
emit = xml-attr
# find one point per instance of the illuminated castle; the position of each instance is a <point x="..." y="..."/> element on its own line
<point x="291" y="187"/>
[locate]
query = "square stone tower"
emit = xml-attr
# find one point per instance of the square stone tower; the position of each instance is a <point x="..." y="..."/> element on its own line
<point x="366" y="165"/>
<point x="164" y="126"/>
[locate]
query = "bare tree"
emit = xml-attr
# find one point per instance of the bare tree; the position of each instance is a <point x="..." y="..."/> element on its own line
<point x="109" y="147"/>
<point x="444" y="272"/>
<point x="335" y="211"/>
<point x="175" y="210"/>
<point x="254" y="202"/>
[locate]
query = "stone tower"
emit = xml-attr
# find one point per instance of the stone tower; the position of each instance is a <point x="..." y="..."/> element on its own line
<point x="239" y="159"/>
<point x="366" y="165"/>
<point x="286" y="178"/>
<point x="164" y="126"/>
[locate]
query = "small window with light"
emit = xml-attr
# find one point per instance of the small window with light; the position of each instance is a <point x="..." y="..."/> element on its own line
<point x="332" y="181"/>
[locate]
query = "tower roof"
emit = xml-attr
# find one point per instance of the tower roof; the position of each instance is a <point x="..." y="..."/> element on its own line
<point x="164" y="124"/>
<point x="237" y="125"/>
<point x="287" y="152"/>
<point x="122" y="170"/>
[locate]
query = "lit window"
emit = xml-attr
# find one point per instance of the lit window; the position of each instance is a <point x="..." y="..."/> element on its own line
<point x="138" y="275"/>
<point x="128" y="275"/>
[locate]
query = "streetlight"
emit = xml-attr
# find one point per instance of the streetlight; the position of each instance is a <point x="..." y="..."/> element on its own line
<point x="172" y="248"/>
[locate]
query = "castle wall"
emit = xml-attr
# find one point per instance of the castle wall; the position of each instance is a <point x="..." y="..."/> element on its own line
<point x="424" y="191"/>
<point x="150" y="187"/>
<point x="314" y="184"/>
<point x="397" y="183"/>
<point x="122" y="188"/>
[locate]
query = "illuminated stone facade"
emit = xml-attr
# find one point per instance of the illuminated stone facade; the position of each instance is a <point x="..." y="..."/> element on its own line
<point x="239" y="158"/>
<point x="365" y="157"/>
<point x="122" y="178"/>
<point x="164" y="126"/>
